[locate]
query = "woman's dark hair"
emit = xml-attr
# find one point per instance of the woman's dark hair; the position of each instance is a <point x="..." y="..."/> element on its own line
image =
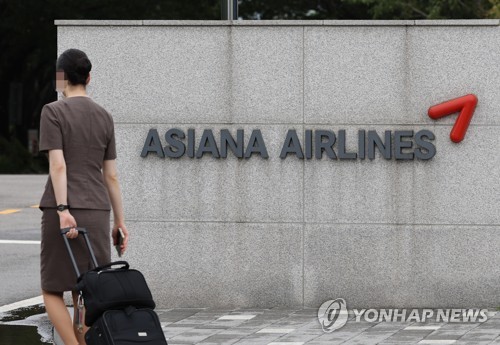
<point x="76" y="66"/>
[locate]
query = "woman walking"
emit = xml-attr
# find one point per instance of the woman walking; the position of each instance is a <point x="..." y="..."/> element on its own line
<point x="78" y="135"/>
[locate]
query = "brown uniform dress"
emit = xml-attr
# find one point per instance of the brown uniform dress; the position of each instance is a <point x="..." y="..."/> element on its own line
<point x="85" y="132"/>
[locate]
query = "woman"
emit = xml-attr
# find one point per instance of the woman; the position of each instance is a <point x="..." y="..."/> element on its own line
<point x="78" y="135"/>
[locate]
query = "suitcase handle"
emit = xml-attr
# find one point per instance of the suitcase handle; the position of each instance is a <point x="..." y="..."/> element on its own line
<point x="82" y="231"/>
<point x="124" y="264"/>
<point x="85" y="234"/>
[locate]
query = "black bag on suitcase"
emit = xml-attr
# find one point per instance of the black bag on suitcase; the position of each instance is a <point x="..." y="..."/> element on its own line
<point x="105" y="288"/>
<point x="130" y="326"/>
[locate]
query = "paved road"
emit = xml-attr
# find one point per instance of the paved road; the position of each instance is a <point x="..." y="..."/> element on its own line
<point x="19" y="262"/>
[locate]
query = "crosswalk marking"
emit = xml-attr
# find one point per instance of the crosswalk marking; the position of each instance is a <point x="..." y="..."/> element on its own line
<point x="21" y="304"/>
<point x="10" y="210"/>
<point x="18" y="242"/>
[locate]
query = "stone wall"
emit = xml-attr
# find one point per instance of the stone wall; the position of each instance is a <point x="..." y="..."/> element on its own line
<point x="296" y="232"/>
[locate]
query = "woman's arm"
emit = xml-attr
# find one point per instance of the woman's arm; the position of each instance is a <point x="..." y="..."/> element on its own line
<point x="57" y="168"/>
<point x="113" y="186"/>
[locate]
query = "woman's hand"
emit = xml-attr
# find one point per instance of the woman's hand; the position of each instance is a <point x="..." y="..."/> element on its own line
<point x="115" y="235"/>
<point x="113" y="186"/>
<point x="66" y="220"/>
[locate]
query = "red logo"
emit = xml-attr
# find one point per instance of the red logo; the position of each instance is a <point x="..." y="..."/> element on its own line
<point x="465" y="105"/>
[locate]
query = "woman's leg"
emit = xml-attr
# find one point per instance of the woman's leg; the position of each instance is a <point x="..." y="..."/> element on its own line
<point x="79" y="336"/>
<point x="59" y="316"/>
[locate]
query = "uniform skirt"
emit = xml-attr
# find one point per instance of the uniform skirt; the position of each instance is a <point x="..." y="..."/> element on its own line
<point x="56" y="270"/>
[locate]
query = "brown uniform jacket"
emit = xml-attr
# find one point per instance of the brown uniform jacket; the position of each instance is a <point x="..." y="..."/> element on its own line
<point x="85" y="132"/>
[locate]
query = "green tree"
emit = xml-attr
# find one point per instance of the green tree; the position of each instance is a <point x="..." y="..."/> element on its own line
<point x="427" y="9"/>
<point x="369" y="9"/>
<point x="302" y="9"/>
<point x="494" y="12"/>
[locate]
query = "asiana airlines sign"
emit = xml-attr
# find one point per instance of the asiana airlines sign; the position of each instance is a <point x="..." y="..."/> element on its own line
<point x="398" y="145"/>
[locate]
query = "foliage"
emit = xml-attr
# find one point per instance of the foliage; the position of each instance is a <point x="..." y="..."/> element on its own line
<point x="369" y="9"/>
<point x="428" y="9"/>
<point x="494" y="12"/>
<point x="16" y="159"/>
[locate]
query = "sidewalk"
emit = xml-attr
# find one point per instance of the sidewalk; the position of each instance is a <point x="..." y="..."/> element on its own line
<point x="301" y="326"/>
<point x="275" y="327"/>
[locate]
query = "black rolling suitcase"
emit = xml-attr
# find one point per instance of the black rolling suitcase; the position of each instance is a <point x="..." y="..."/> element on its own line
<point x="118" y="302"/>
<point x="126" y="327"/>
